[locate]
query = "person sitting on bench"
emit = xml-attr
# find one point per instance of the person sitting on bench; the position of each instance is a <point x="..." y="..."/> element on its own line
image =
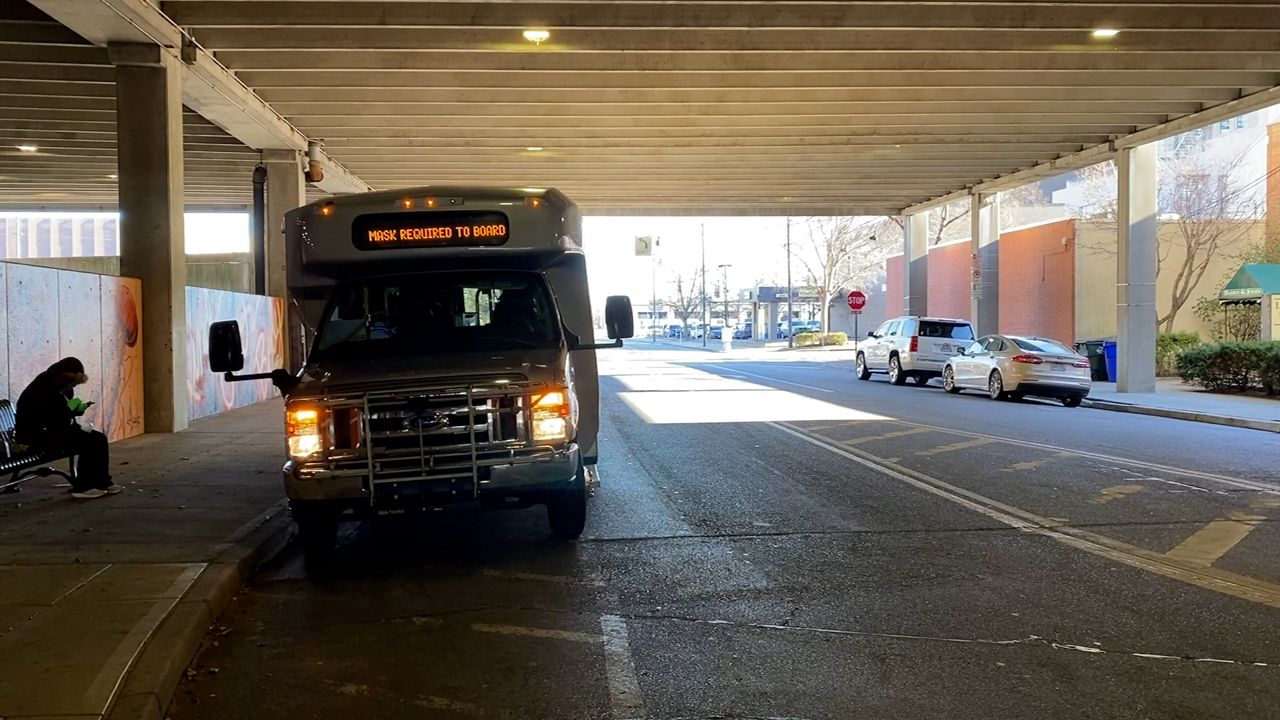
<point x="47" y="412"/>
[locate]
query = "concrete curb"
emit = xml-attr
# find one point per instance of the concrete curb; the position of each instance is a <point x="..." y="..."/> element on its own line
<point x="148" y="686"/>
<point x="1264" y="425"/>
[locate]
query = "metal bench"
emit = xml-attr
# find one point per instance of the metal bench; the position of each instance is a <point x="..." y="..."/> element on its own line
<point x="22" y="464"/>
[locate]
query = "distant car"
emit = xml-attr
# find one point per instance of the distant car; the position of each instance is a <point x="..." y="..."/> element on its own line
<point x="1011" y="366"/>
<point x="807" y="326"/>
<point x="912" y="347"/>
<point x="674" y="331"/>
<point x="717" y="332"/>
<point x="744" y="332"/>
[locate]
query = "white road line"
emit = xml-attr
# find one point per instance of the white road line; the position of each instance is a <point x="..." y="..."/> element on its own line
<point x="773" y="379"/>
<point x="624" y="688"/>
<point x="1240" y="586"/>
<point x="536" y="632"/>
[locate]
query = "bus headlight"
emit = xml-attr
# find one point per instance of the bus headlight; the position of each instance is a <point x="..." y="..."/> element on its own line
<point x="304" y="429"/>
<point x="551" y="415"/>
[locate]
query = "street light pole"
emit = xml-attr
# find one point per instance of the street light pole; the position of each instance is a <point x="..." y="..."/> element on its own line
<point x="705" y="319"/>
<point x="653" y="295"/>
<point x="724" y="278"/>
<point x="791" y="336"/>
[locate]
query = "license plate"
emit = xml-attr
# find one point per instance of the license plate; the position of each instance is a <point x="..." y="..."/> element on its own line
<point x="1059" y="367"/>
<point x="944" y="348"/>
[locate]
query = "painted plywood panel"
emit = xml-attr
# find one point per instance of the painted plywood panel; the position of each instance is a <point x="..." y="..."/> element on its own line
<point x="261" y="328"/>
<point x="80" y="333"/>
<point x="5" y="388"/>
<point x="32" y="309"/>
<point x="122" y="403"/>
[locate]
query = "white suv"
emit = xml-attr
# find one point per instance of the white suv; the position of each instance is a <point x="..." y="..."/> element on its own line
<point x="912" y="347"/>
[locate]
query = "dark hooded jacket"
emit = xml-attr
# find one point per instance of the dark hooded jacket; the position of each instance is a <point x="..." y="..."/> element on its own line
<point x="44" y="418"/>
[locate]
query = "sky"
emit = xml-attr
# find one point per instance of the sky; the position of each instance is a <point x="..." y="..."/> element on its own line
<point x="754" y="247"/>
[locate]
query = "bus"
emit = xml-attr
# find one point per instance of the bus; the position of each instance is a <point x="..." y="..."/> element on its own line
<point x="442" y="358"/>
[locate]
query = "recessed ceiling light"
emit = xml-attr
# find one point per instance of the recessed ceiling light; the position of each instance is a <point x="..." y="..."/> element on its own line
<point x="1105" y="33"/>
<point x="534" y="148"/>
<point x="113" y="177"/>
<point x="537" y="37"/>
<point x="28" y="148"/>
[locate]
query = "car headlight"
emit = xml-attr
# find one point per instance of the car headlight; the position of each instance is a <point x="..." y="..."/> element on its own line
<point x="551" y="411"/>
<point x="305" y="432"/>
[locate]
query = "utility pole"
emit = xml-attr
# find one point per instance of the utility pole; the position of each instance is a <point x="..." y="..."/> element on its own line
<point x="705" y="318"/>
<point x="791" y="336"/>
<point x="724" y="278"/>
<point x="653" y="294"/>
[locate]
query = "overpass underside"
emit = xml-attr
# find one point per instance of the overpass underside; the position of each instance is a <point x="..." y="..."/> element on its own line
<point x="707" y="108"/>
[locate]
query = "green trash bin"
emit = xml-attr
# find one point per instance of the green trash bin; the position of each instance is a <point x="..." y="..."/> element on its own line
<point x="1095" y="351"/>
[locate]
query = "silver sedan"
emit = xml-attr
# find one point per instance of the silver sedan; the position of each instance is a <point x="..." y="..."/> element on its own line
<point x="1011" y="366"/>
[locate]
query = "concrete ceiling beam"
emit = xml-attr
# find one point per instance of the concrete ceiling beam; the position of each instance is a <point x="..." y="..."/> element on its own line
<point x="729" y="15"/>
<point x="208" y="87"/>
<point x="976" y="63"/>
<point x="753" y="40"/>
<point x="1126" y="112"/>
<point x="512" y="93"/>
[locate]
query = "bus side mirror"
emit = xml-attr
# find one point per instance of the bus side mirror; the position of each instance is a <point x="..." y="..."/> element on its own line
<point x="226" y="354"/>
<point x="618" y="318"/>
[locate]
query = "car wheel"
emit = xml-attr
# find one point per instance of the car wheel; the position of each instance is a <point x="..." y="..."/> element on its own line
<point x="949" y="380"/>
<point x="1072" y="401"/>
<point x="318" y="536"/>
<point x="896" y="376"/>
<point x="861" y="366"/>
<point x="995" y="386"/>
<point x="567" y="515"/>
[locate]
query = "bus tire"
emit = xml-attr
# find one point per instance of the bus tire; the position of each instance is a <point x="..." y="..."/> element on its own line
<point x="567" y="514"/>
<point x="318" y="536"/>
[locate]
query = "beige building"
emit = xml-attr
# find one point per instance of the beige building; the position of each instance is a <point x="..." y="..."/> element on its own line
<point x="1096" y="274"/>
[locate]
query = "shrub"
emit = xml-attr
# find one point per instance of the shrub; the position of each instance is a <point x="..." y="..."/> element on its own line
<point x="1237" y="366"/>
<point x="1168" y="346"/>
<point x="821" y="339"/>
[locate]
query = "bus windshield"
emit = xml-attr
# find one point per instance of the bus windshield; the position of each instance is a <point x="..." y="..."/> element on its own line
<point x="434" y="313"/>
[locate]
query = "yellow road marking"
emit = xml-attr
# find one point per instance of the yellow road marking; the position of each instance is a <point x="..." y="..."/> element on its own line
<point x="886" y="436"/>
<point x="1215" y="539"/>
<point x="976" y="442"/>
<point x="1209" y="578"/>
<point x="1265" y="504"/>
<point x="1115" y="492"/>
<point x="1035" y="464"/>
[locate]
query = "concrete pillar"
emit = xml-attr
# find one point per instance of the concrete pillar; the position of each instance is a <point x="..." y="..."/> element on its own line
<point x="1273" y="190"/>
<point x="149" y="148"/>
<point x="984" y="296"/>
<point x="286" y="190"/>
<point x="772" y="327"/>
<point x="1136" y="269"/>
<point x="915" y="264"/>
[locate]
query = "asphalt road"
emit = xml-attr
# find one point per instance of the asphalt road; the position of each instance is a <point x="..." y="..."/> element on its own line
<point x="775" y="539"/>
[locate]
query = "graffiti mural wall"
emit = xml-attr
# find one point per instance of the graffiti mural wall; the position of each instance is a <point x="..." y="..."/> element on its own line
<point x="50" y="314"/>
<point x="261" y="322"/>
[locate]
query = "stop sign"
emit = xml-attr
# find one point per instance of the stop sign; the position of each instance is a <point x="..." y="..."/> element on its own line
<point x="856" y="300"/>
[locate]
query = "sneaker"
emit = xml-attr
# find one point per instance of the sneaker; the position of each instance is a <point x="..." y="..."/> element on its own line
<point x="89" y="494"/>
<point x="112" y="489"/>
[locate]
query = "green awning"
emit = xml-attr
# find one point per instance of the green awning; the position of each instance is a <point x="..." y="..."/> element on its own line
<point x="1251" y="282"/>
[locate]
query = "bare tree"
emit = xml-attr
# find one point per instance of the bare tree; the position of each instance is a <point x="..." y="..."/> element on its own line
<point x="1210" y="203"/>
<point x="942" y="222"/>
<point x="839" y="252"/>
<point x="1214" y="207"/>
<point x="687" y="302"/>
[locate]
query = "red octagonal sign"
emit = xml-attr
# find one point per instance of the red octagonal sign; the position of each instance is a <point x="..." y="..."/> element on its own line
<point x="856" y="300"/>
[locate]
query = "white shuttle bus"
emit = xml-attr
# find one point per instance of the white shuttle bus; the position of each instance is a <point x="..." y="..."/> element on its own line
<point x="443" y="357"/>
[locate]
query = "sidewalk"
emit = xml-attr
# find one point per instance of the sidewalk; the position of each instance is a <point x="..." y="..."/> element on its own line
<point x="91" y="590"/>
<point x="1173" y="399"/>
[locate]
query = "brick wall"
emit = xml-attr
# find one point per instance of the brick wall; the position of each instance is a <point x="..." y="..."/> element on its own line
<point x="894" y="286"/>
<point x="949" y="267"/>
<point x="1037" y="281"/>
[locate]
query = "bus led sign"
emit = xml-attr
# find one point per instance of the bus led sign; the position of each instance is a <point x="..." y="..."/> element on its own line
<point x="430" y="229"/>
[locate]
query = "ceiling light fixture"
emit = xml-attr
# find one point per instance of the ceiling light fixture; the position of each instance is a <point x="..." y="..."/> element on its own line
<point x="537" y="37"/>
<point x="534" y="148"/>
<point x="1105" y="33"/>
<point x="113" y="177"/>
<point x="28" y="148"/>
